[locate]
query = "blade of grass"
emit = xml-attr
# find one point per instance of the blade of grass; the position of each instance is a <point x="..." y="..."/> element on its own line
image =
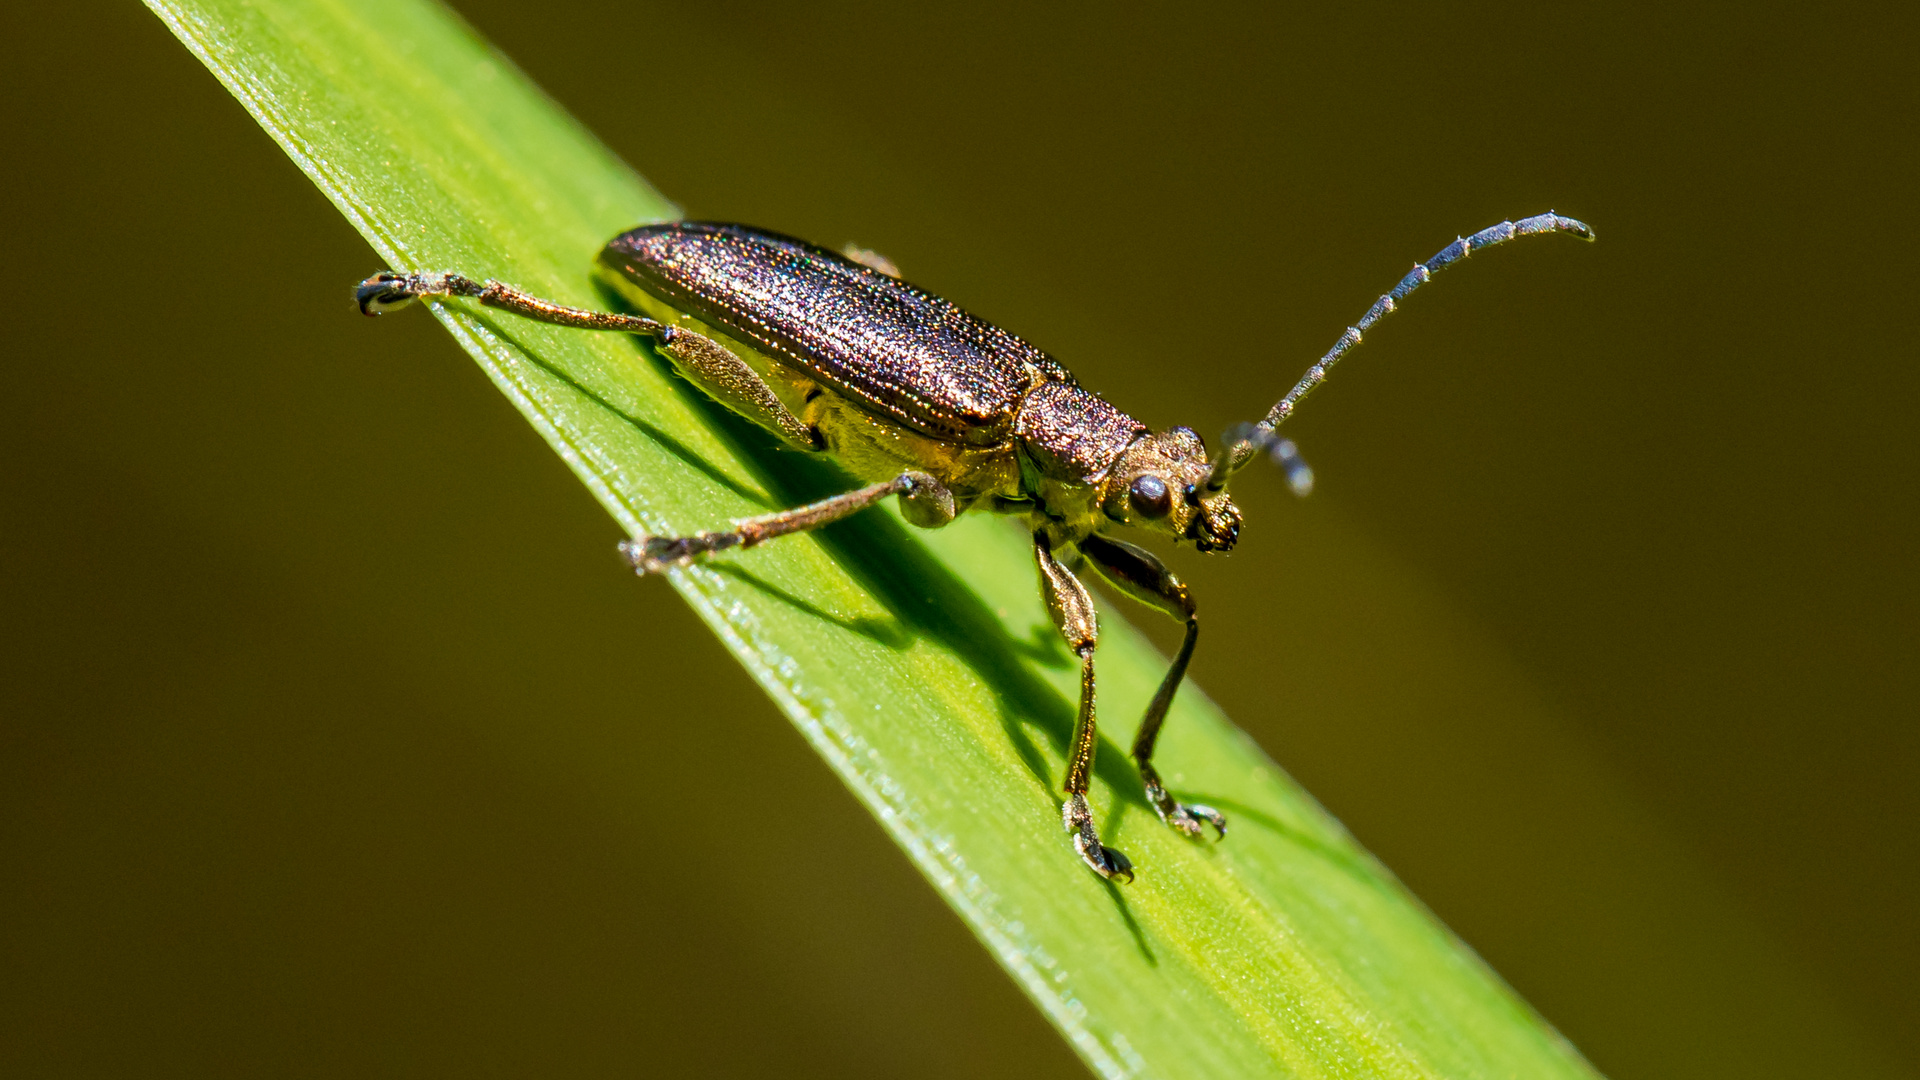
<point x="920" y="665"/>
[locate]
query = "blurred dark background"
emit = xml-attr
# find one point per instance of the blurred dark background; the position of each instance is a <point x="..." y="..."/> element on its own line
<point x="334" y="741"/>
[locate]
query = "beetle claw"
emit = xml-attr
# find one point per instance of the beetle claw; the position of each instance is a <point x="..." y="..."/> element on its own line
<point x="1189" y="819"/>
<point x="387" y="290"/>
<point x="656" y="554"/>
<point x="1108" y="863"/>
<point x="382" y="293"/>
<point x="1105" y="861"/>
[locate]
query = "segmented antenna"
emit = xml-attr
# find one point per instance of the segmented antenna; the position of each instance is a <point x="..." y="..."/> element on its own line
<point x="1243" y="442"/>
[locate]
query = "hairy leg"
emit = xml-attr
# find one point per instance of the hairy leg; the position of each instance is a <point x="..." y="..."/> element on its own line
<point x="1072" y="610"/>
<point x="925" y="496"/>
<point x="1139" y="575"/>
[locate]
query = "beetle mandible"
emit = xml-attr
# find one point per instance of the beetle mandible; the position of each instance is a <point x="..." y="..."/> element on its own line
<point x="836" y="354"/>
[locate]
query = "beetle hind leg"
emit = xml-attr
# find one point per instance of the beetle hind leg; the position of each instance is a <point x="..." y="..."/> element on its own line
<point x="388" y="291"/>
<point x="871" y="259"/>
<point x="727" y="379"/>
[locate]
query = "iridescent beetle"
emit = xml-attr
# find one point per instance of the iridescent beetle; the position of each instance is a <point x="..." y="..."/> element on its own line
<point x="835" y="354"/>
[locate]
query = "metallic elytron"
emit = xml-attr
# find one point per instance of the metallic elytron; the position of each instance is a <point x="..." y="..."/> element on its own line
<point x="836" y="354"/>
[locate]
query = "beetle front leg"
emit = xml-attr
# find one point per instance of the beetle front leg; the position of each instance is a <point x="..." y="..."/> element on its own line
<point x="1072" y="610"/>
<point x="927" y="502"/>
<point x="1142" y="577"/>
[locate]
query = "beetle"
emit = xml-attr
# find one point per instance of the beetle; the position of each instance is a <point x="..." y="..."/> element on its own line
<point x="836" y="354"/>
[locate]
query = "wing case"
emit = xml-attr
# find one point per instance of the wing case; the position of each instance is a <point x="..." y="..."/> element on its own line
<point x="900" y="351"/>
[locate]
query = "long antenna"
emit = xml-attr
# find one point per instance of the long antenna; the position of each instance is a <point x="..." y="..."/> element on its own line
<point x="1247" y="440"/>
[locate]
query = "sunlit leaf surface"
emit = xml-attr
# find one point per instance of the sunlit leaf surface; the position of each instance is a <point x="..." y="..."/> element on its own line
<point x="920" y="665"/>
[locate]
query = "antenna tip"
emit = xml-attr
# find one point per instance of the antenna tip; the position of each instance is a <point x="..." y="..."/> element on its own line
<point x="1546" y="223"/>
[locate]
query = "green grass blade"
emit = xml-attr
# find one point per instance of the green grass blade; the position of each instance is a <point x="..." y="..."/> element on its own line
<point x="920" y="665"/>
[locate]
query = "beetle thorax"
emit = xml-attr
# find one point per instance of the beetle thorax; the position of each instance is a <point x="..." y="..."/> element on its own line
<point x="1069" y="439"/>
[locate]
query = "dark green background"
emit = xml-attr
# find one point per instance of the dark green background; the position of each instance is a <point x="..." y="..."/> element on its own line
<point x="333" y="740"/>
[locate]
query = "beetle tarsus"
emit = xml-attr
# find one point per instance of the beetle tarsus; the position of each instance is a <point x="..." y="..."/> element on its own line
<point x="1105" y="861"/>
<point x="1186" y="818"/>
<point x="655" y="554"/>
<point x="382" y="293"/>
<point x="387" y="290"/>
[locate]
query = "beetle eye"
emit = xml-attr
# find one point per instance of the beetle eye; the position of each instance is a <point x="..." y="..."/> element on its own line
<point x="1150" y="497"/>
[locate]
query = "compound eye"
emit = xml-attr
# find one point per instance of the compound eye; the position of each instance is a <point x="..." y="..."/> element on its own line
<point x="1150" y="497"/>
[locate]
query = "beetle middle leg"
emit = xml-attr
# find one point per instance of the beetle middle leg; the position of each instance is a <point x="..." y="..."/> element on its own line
<point x="924" y="500"/>
<point x="1142" y="577"/>
<point x="1072" y="610"/>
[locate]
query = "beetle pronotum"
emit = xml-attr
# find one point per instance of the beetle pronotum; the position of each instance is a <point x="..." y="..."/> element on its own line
<point x="837" y="355"/>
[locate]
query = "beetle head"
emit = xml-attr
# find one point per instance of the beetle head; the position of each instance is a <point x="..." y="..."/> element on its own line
<point x="1160" y="483"/>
